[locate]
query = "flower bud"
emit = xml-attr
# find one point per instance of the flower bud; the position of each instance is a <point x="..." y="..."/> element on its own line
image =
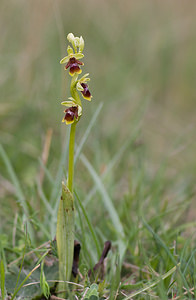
<point x="81" y="44"/>
<point x="70" y="37"/>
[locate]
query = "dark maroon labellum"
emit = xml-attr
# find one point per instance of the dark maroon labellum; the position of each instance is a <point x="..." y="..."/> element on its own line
<point x="86" y="93"/>
<point x="73" y="64"/>
<point x="70" y="113"/>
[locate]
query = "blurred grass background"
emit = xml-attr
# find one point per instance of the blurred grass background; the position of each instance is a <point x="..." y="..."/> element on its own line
<point x="141" y="56"/>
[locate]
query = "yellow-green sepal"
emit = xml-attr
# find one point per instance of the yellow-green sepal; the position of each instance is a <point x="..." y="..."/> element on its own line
<point x="79" y="87"/>
<point x="79" y="55"/>
<point x="69" y="103"/>
<point x="84" y="78"/>
<point x="65" y="60"/>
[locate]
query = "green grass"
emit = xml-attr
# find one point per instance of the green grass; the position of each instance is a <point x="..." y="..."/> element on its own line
<point x="135" y="153"/>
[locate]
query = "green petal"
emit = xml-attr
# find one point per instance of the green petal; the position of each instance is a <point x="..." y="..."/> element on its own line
<point x="72" y="99"/>
<point x="79" y="87"/>
<point x="84" y="79"/>
<point x="64" y="60"/>
<point x="78" y="55"/>
<point x="81" y="44"/>
<point x="79" y="110"/>
<point x="69" y="50"/>
<point x="77" y="41"/>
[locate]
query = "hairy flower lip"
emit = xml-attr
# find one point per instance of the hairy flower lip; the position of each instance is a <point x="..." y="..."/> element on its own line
<point x="73" y="64"/>
<point x="71" y="114"/>
<point x="86" y="93"/>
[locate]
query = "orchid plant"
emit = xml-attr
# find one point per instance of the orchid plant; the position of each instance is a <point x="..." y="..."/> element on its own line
<point x="73" y="113"/>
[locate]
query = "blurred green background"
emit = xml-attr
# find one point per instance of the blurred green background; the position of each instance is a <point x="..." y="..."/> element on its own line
<point x="141" y="56"/>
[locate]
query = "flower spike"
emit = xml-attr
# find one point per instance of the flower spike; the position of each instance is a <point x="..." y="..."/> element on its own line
<point x="73" y="63"/>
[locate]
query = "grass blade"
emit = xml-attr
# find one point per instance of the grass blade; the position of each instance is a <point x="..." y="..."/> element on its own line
<point x="151" y="285"/>
<point x="159" y="240"/>
<point x="46" y="171"/>
<point x="189" y="261"/>
<point x="57" y="184"/>
<point x="19" y="193"/>
<point x="14" y="179"/>
<point x="86" y="134"/>
<point x="23" y="256"/>
<point x="43" y="283"/>
<point x="113" y="162"/>
<point x="89" y="226"/>
<point x="44" y="199"/>
<point x="108" y="204"/>
<point x="2" y="280"/>
<point x="22" y="283"/>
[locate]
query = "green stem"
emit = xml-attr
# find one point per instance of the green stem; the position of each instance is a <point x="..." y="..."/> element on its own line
<point x="76" y="96"/>
<point x="71" y="157"/>
<point x="73" y="90"/>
